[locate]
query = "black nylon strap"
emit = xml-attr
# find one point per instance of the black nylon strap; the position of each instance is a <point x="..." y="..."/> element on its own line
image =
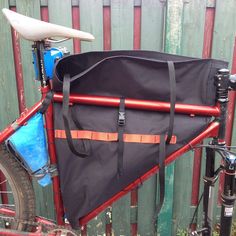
<point x="46" y="102"/>
<point x="121" y="124"/>
<point x="171" y="69"/>
<point x="75" y="120"/>
<point x="85" y="143"/>
<point x="163" y="142"/>
<point x="162" y="155"/>
<point x="65" y="113"/>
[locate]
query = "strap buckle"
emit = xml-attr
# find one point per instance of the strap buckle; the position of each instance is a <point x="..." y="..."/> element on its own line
<point x="121" y="118"/>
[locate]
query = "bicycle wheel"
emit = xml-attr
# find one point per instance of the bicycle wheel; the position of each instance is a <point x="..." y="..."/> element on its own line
<point x="17" y="201"/>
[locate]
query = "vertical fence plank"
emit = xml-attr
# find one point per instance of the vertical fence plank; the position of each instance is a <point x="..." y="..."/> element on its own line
<point x="152" y="34"/>
<point x="8" y="94"/>
<point x="173" y="26"/>
<point x="222" y="48"/>
<point x="224" y="30"/>
<point x="152" y="30"/>
<point x="146" y="206"/>
<point x="182" y="192"/>
<point x="91" y="20"/>
<point x="57" y="9"/>
<point x="200" y="153"/>
<point x="60" y="12"/>
<point x="193" y="21"/>
<point x="122" y="20"/>
<point x="32" y="9"/>
<point x="193" y="18"/>
<point x="172" y="45"/>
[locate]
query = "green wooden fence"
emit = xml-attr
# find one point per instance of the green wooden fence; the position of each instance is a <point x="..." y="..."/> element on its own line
<point x="173" y="26"/>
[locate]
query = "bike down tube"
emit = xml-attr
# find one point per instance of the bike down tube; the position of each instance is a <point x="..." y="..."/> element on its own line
<point x="22" y="120"/>
<point x="53" y="160"/>
<point x="140" y="104"/>
<point x="210" y="131"/>
<point x="24" y="117"/>
<point x="45" y="88"/>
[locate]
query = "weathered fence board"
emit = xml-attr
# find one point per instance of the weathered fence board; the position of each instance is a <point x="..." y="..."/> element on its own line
<point x="32" y="9"/>
<point x="60" y="13"/>
<point x="152" y="25"/>
<point x="193" y="18"/>
<point x="152" y="35"/>
<point x="172" y="45"/>
<point x="121" y="38"/>
<point x="122" y="20"/>
<point x="91" y="20"/>
<point x="222" y="48"/>
<point x="9" y="104"/>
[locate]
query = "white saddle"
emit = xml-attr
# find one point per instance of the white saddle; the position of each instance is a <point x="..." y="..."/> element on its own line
<point x="36" y="30"/>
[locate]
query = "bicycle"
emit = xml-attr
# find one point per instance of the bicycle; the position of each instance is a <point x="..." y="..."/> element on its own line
<point x="18" y="214"/>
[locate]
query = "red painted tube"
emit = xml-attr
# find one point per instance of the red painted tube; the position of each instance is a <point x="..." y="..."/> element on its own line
<point x="107" y="28"/>
<point x="76" y="25"/>
<point x="206" y="53"/>
<point x="211" y="131"/>
<point x="24" y="117"/>
<point x="208" y="32"/>
<point x="53" y="160"/>
<point x="8" y="232"/>
<point x="136" y="46"/>
<point x="10" y="213"/>
<point x="44" y="14"/>
<point x="141" y="104"/>
<point x="18" y="68"/>
<point x="196" y="176"/>
<point x="137" y="27"/>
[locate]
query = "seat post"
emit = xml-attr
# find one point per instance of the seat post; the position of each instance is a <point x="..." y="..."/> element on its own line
<point x="38" y="49"/>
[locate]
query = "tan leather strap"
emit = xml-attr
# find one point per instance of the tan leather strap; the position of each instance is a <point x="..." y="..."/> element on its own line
<point x="112" y="137"/>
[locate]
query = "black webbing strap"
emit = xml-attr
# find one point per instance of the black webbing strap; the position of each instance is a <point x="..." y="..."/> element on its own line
<point x="84" y="142"/>
<point x="121" y="124"/>
<point x="163" y="142"/>
<point x="46" y="102"/>
<point x="162" y="155"/>
<point x="65" y="113"/>
<point x="171" y="69"/>
<point x="75" y="120"/>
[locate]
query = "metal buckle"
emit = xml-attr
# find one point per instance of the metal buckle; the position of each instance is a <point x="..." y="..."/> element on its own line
<point x="121" y="119"/>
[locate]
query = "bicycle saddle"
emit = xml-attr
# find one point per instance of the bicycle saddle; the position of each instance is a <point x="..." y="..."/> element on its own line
<point x="36" y="30"/>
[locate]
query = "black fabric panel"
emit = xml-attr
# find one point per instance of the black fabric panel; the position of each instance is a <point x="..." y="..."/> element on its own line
<point x="89" y="182"/>
<point x="144" y="77"/>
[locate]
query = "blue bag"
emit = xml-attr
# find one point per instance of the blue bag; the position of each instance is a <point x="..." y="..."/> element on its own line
<point x="29" y="143"/>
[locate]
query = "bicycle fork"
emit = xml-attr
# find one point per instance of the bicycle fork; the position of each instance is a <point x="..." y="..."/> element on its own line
<point x="209" y="182"/>
<point x="223" y="83"/>
<point x="228" y="196"/>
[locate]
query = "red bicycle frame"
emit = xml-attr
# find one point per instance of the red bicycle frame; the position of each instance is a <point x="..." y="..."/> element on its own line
<point x="192" y="110"/>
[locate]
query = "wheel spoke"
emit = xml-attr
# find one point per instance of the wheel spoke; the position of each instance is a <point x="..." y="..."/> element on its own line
<point x="13" y="204"/>
<point x="4" y="181"/>
<point x="6" y="192"/>
<point x="7" y="205"/>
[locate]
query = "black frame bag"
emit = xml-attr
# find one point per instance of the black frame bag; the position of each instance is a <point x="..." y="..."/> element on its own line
<point x="100" y="149"/>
